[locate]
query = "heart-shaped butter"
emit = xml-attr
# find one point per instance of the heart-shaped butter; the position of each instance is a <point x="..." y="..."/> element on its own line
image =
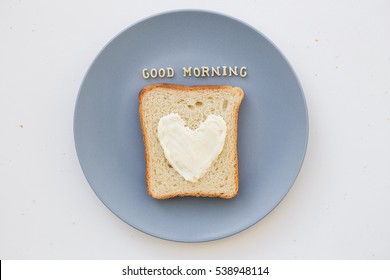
<point x="191" y="152"/>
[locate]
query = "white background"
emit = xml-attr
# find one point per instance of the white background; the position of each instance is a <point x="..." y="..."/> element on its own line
<point x="339" y="207"/>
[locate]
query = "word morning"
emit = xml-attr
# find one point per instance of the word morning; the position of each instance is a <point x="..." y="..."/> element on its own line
<point x="197" y="72"/>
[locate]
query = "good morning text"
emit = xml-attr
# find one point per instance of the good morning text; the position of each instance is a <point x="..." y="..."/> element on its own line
<point x="197" y="72"/>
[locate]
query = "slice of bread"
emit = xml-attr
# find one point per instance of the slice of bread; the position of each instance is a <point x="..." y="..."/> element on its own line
<point x="194" y="104"/>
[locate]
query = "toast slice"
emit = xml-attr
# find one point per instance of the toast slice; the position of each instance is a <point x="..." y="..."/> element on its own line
<point x="193" y="104"/>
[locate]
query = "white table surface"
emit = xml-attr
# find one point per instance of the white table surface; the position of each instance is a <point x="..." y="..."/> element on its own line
<point x="339" y="207"/>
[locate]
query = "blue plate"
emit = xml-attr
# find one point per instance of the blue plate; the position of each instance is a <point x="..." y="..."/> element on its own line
<point x="272" y="133"/>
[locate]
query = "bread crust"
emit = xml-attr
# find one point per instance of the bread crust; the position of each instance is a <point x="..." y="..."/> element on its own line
<point x="193" y="90"/>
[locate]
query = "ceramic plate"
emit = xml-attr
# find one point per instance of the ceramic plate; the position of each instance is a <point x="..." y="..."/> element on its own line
<point x="272" y="129"/>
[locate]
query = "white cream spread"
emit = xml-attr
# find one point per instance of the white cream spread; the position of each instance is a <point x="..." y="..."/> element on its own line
<point x="191" y="152"/>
